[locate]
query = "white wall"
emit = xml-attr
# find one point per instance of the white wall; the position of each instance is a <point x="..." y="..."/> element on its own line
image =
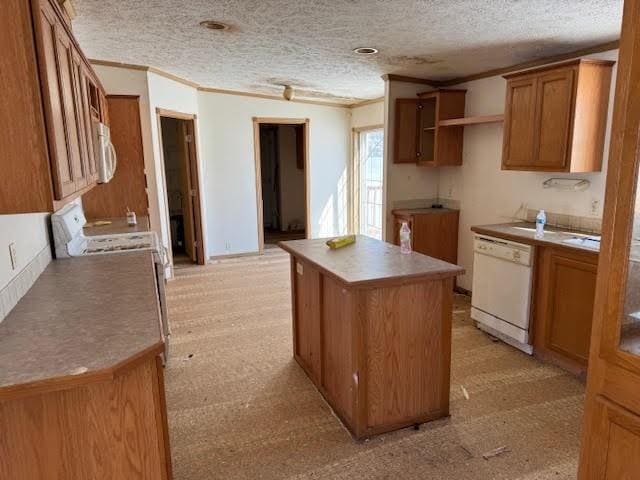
<point x="368" y="115"/>
<point x="30" y="232"/>
<point x="489" y="195"/>
<point x="227" y="155"/>
<point x="403" y="182"/>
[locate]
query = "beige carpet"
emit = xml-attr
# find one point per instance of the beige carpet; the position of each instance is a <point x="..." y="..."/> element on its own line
<point x="241" y="408"/>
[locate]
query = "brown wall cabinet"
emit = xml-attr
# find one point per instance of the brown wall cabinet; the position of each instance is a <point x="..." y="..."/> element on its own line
<point x="419" y="138"/>
<point x="555" y="117"/>
<point x="433" y="233"/>
<point x="564" y="298"/>
<point x="51" y="96"/>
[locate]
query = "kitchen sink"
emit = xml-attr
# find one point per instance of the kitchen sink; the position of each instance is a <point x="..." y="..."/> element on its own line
<point x="588" y="242"/>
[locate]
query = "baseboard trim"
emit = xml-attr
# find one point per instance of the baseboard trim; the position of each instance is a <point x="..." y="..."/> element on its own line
<point x="213" y="258"/>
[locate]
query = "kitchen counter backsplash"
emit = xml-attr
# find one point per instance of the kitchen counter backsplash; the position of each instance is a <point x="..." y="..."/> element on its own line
<point x="573" y="222"/>
<point x="20" y="285"/>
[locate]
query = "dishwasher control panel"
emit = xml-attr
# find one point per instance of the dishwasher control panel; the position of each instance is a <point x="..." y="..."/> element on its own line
<point x="503" y="249"/>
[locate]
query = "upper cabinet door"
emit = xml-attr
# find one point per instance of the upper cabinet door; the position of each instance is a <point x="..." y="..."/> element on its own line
<point x="61" y="166"/>
<point x="554" y="118"/>
<point x="406" y="131"/>
<point x="519" y="147"/>
<point x="70" y="106"/>
<point x="91" y="160"/>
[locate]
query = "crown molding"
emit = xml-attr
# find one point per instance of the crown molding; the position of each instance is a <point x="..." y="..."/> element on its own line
<point x="391" y="77"/>
<point x="367" y="102"/>
<point x="602" y="47"/>
<point x="200" y="88"/>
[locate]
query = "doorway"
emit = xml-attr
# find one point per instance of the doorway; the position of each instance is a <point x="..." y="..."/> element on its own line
<point x="368" y="181"/>
<point x="281" y="179"/>
<point x="182" y="192"/>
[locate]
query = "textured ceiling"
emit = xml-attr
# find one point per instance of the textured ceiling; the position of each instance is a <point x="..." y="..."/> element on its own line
<point x="309" y="44"/>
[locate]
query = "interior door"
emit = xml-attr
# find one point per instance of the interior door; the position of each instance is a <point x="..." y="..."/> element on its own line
<point x="553" y="119"/>
<point x="519" y="123"/>
<point x="611" y="429"/>
<point x="184" y="139"/>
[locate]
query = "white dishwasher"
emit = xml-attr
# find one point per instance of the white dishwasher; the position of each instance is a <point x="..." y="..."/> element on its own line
<point x="501" y="291"/>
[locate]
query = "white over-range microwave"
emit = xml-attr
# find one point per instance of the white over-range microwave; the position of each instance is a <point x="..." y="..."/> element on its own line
<point x="105" y="153"/>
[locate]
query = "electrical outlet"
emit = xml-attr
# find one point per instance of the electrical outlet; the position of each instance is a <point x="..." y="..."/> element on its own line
<point x="13" y="255"/>
<point x="227" y="246"/>
<point x="595" y="207"/>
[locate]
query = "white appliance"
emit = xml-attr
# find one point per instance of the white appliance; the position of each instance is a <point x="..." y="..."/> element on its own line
<point x="70" y="241"/>
<point x="501" y="292"/>
<point x="105" y="153"/>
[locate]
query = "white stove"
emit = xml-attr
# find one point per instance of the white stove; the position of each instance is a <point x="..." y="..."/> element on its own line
<point x="70" y="241"/>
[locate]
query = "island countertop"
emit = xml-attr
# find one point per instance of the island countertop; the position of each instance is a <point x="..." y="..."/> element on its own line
<point x="83" y="316"/>
<point x="370" y="262"/>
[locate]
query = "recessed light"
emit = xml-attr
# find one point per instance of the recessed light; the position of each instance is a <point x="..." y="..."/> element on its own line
<point x="366" y="51"/>
<point x="214" y="25"/>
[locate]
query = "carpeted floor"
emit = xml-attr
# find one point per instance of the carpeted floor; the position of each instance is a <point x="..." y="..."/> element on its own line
<point x="241" y="408"/>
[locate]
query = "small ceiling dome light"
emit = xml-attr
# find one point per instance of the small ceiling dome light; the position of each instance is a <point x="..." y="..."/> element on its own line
<point x="366" y="50"/>
<point x="214" y="25"/>
<point x="288" y="92"/>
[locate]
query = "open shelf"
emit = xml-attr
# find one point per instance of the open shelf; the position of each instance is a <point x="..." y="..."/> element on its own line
<point x="471" y="120"/>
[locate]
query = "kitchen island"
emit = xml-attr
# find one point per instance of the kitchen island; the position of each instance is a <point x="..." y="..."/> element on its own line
<point x="372" y="330"/>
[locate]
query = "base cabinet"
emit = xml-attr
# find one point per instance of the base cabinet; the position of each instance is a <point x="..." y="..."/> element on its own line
<point x="110" y="428"/>
<point x="564" y="299"/>
<point x="434" y="234"/>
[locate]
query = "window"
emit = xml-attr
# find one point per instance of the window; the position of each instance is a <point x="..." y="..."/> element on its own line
<point x="368" y="183"/>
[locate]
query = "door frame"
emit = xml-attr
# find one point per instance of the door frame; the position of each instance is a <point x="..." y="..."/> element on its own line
<point x="194" y="167"/>
<point x="354" y="178"/>
<point x="257" y="121"/>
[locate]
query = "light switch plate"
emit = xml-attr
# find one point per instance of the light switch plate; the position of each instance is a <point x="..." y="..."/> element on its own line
<point x="13" y="255"/>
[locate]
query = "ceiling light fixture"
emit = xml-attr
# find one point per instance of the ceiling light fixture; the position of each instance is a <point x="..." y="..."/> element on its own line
<point x="214" y="25"/>
<point x="366" y="50"/>
<point x="288" y="92"/>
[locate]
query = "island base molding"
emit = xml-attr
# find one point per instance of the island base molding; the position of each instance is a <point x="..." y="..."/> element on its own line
<point x="379" y="354"/>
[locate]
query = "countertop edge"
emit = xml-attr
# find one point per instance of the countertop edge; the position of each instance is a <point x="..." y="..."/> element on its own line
<point x="531" y="241"/>
<point x="53" y="384"/>
<point x="386" y="281"/>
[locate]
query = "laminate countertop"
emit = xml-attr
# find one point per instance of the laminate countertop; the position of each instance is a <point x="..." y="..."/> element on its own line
<point x="421" y="211"/>
<point x="368" y="262"/>
<point x="118" y="225"/>
<point x="525" y="232"/>
<point x="83" y="316"/>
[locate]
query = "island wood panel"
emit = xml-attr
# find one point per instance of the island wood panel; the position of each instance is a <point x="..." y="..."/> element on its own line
<point x="408" y="338"/>
<point x="103" y="430"/>
<point x="338" y="359"/>
<point x="127" y="188"/>
<point x="384" y="350"/>
<point x="307" y="317"/>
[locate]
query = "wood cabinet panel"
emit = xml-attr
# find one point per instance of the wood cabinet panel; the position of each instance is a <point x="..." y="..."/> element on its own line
<point x="61" y="163"/>
<point x="564" y="296"/>
<point x="65" y="52"/>
<point x="555" y="117"/>
<point x="338" y="362"/>
<point x="409" y="339"/>
<point x="406" y="131"/>
<point x="23" y="148"/>
<point x="520" y="117"/>
<point x="102" y="430"/>
<point x="555" y="91"/>
<point x="307" y="316"/>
